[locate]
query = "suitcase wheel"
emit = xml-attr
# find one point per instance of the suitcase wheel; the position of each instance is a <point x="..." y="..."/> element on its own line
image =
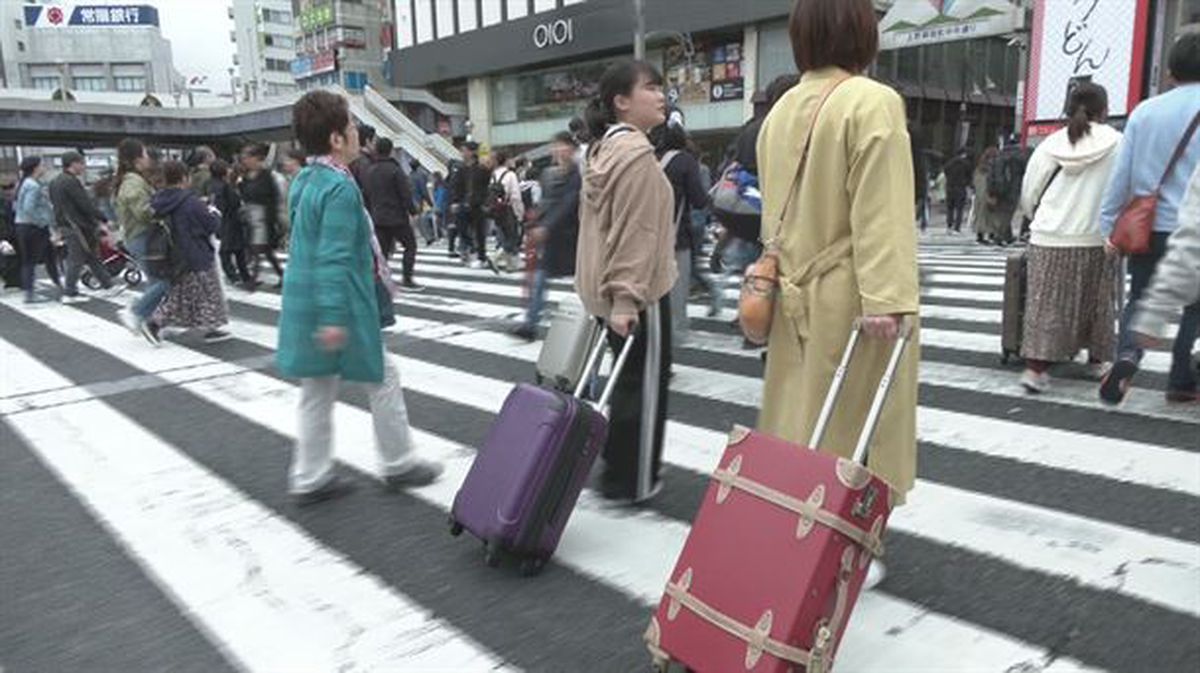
<point x="532" y="566"/>
<point x="456" y="528"/>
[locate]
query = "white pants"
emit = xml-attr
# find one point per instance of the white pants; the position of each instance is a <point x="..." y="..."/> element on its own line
<point x="312" y="462"/>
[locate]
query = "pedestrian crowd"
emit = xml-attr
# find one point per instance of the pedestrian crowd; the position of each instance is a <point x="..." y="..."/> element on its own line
<point x="624" y="202"/>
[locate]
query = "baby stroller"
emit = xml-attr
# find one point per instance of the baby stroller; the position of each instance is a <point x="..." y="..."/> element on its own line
<point x="117" y="261"/>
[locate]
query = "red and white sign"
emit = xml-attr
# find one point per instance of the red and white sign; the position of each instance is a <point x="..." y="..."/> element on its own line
<point x="1098" y="41"/>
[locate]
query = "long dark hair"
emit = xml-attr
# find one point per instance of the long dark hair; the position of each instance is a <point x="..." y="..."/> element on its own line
<point x="1089" y="103"/>
<point x="128" y="152"/>
<point x="28" y="166"/>
<point x="618" y="80"/>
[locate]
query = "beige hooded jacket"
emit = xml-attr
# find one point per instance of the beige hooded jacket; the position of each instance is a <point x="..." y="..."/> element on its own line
<point x="626" y="253"/>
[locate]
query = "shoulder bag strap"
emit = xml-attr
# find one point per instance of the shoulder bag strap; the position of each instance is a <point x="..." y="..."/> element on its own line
<point x="773" y="242"/>
<point x="1179" y="150"/>
<point x="1057" y="170"/>
<point x="665" y="161"/>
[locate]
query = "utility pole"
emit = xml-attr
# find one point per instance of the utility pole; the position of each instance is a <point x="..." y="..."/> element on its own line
<point x="639" y="31"/>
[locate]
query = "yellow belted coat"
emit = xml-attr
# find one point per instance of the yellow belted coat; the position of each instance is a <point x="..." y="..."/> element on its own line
<point x="848" y="248"/>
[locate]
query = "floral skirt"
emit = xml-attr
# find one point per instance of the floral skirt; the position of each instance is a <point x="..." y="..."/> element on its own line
<point x="1070" y="305"/>
<point x="194" y="300"/>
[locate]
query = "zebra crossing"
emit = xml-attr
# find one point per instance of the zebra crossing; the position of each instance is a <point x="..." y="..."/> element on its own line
<point x="1045" y="534"/>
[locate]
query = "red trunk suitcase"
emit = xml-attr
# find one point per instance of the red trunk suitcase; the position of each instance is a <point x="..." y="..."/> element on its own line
<point x="778" y="553"/>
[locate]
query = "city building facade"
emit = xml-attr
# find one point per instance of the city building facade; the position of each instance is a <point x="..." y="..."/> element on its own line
<point x="524" y="67"/>
<point x="342" y="42"/>
<point x="113" y="48"/>
<point x="265" y="34"/>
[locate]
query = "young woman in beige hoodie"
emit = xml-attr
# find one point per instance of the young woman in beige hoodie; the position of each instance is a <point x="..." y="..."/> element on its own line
<point x="626" y="268"/>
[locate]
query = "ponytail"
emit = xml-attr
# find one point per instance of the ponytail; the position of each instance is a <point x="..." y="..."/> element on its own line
<point x="1088" y="105"/>
<point x="620" y="79"/>
<point x="596" y="119"/>
<point x="1079" y="126"/>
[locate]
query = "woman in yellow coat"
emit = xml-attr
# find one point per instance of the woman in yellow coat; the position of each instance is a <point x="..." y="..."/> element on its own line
<point x="847" y="243"/>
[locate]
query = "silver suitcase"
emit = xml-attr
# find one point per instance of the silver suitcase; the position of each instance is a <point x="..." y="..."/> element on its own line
<point x="564" y="353"/>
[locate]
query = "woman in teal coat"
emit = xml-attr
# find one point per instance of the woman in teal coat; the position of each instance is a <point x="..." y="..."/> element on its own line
<point x="334" y="297"/>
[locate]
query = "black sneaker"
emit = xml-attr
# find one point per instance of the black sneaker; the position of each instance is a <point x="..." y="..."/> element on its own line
<point x="410" y="286"/>
<point x="1115" y="385"/>
<point x="150" y="330"/>
<point x="422" y="473"/>
<point x="334" y="488"/>
<point x="525" y="332"/>
<point x="216" y="336"/>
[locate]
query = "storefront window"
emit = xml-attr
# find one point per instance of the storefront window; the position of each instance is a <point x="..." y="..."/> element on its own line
<point x="549" y="94"/>
<point x="711" y="73"/>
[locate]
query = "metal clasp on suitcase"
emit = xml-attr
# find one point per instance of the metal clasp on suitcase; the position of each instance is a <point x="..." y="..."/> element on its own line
<point x="866" y="504"/>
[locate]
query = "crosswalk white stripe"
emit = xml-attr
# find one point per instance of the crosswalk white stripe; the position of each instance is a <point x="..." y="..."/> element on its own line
<point x="966" y="279"/>
<point x="1051" y="542"/>
<point x="228" y="562"/>
<point x="633" y="552"/>
<point x="1134" y="462"/>
<point x="1075" y="393"/>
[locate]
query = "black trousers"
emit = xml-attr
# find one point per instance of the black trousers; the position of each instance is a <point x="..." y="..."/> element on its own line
<point x="81" y="253"/>
<point x="35" y="248"/>
<point x="955" y="205"/>
<point x="638" y="418"/>
<point x="233" y="263"/>
<point x="403" y="234"/>
<point x="479" y="232"/>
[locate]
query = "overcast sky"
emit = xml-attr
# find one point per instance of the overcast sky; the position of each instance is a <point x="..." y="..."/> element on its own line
<point x="199" y="34"/>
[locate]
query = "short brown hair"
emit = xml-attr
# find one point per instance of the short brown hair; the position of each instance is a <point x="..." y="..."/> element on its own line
<point x="316" y="116"/>
<point x="826" y="33"/>
<point x="174" y="173"/>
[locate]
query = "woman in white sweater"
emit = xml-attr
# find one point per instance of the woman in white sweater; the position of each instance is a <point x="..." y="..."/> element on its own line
<point x="1070" y="305"/>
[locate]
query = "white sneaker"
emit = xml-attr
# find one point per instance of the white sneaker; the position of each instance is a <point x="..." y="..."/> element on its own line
<point x="876" y="572"/>
<point x="475" y="264"/>
<point x="1035" y="383"/>
<point x="130" y="320"/>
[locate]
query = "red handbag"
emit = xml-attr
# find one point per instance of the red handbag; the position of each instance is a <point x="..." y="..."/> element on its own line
<point x="1134" y="227"/>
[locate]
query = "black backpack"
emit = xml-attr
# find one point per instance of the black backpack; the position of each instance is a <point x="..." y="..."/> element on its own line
<point x="1005" y="175"/>
<point x="497" y="197"/>
<point x="162" y="254"/>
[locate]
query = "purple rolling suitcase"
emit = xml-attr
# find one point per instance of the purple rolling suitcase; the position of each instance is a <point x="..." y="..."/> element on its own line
<point x="526" y="479"/>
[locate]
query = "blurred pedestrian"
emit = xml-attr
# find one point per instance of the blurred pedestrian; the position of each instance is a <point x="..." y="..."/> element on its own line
<point x="366" y="153"/>
<point x="959" y="174"/>
<point x="1071" y="303"/>
<point x="507" y="209"/>
<point x="842" y="230"/>
<point x="34" y="217"/>
<point x="81" y="224"/>
<point x="195" y="299"/>
<point x="261" y="202"/>
<point x="136" y="216"/>
<point x="388" y="195"/>
<point x="1006" y="174"/>
<point x="1157" y="131"/>
<point x="1176" y="283"/>
<point x="441" y="203"/>
<point x="556" y="229"/>
<point x="985" y="219"/>
<point x="232" y="232"/>
<point x="469" y="191"/>
<point x="683" y="171"/>
<point x="626" y="269"/>
<point x="333" y="307"/>
<point x="201" y="162"/>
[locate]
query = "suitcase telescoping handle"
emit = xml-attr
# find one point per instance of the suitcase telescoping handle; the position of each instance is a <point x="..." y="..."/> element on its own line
<point x="881" y="393"/>
<point x="593" y="364"/>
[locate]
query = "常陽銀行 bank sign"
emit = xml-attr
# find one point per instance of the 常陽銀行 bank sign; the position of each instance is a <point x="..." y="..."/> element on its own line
<point x="74" y="16"/>
<point x="909" y="23"/>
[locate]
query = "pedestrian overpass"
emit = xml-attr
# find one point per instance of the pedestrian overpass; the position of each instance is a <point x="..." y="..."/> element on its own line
<point x="30" y="117"/>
